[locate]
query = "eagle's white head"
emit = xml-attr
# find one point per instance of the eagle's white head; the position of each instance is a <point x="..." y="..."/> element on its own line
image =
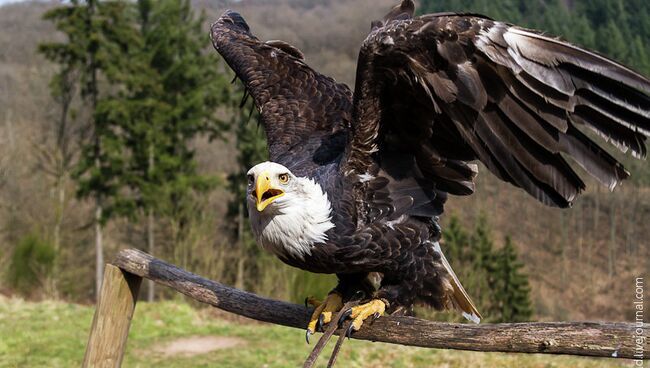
<point x="288" y="214"/>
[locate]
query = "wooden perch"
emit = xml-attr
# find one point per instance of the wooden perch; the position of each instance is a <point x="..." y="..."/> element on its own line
<point x="596" y="339"/>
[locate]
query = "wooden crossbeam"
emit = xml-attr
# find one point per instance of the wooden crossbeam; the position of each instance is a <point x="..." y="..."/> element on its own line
<point x="597" y="339"/>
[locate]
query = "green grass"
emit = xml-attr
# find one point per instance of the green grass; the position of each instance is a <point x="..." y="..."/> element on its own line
<point x="54" y="334"/>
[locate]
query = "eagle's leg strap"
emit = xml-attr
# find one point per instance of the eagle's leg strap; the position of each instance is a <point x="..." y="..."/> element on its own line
<point x="324" y="311"/>
<point x="359" y="314"/>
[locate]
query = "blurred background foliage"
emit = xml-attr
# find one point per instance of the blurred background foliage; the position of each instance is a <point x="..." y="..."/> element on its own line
<point x="125" y="107"/>
<point x="31" y="265"/>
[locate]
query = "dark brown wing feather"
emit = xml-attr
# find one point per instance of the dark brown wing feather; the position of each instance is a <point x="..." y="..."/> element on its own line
<point x="448" y="89"/>
<point x="294" y="101"/>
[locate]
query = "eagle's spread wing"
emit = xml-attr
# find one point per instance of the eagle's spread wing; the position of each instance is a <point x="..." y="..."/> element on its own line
<point x="294" y="101"/>
<point x="445" y="89"/>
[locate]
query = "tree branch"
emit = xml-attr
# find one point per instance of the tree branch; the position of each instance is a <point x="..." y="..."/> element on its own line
<point x="599" y="339"/>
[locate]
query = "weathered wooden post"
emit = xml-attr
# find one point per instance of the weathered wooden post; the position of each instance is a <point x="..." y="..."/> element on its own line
<point x="112" y="320"/>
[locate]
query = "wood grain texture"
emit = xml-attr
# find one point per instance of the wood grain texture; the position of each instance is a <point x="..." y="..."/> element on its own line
<point x="598" y="339"/>
<point x="110" y="328"/>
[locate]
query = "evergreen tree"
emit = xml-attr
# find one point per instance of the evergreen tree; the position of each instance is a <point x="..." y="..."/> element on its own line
<point x="32" y="262"/>
<point x="583" y="32"/>
<point x="493" y="278"/>
<point x="483" y="246"/>
<point x="456" y="242"/>
<point x="511" y="292"/>
<point x="612" y="41"/>
<point x="171" y="91"/>
<point x="482" y="257"/>
<point x="456" y="245"/>
<point x="95" y="42"/>
<point x="639" y="55"/>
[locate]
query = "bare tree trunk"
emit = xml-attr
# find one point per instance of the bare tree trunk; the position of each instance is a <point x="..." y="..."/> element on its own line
<point x="563" y="244"/>
<point x="59" y="217"/>
<point x="239" y="282"/>
<point x="99" y="207"/>
<point x="151" y="244"/>
<point x="99" y="248"/>
<point x="11" y="137"/>
<point x="151" y="292"/>
<point x="631" y="222"/>
<point x="612" y="239"/>
<point x="596" y="209"/>
<point x="596" y="234"/>
<point x="58" y="221"/>
<point x="581" y="229"/>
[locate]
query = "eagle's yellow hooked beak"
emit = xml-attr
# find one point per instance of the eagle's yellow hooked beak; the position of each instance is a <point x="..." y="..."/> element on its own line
<point x="265" y="192"/>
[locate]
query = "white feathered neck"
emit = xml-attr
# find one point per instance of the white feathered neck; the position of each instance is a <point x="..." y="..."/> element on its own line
<point x="295" y="222"/>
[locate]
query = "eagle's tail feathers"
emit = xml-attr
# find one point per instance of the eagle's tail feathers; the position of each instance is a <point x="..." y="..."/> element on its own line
<point x="460" y="300"/>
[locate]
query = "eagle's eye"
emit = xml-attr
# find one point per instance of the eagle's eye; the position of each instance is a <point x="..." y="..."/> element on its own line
<point x="284" y="178"/>
<point x="251" y="179"/>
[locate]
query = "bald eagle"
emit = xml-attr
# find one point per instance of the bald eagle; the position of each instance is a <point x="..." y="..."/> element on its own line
<point x="356" y="181"/>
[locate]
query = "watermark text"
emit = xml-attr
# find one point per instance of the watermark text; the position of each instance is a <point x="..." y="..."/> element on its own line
<point x="639" y="337"/>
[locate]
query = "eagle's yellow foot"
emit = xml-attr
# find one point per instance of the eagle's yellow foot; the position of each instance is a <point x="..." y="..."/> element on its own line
<point x="360" y="313"/>
<point x="323" y="312"/>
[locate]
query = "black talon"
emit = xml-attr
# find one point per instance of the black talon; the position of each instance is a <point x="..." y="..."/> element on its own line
<point x="349" y="331"/>
<point x="319" y="324"/>
<point x="306" y="304"/>
<point x="374" y="317"/>
<point x="307" y="334"/>
<point x="344" y="316"/>
<point x="359" y="295"/>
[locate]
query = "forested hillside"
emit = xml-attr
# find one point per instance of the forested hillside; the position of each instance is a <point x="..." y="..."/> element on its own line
<point x="580" y="262"/>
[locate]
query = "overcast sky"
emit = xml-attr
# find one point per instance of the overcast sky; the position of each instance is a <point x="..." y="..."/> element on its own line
<point x="2" y="2"/>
